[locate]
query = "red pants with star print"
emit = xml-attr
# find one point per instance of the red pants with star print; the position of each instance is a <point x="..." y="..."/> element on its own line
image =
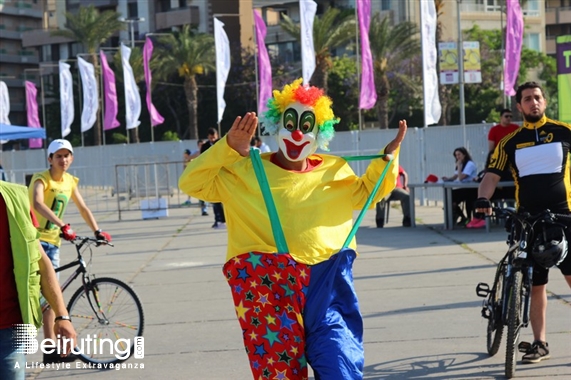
<point x="269" y="294"/>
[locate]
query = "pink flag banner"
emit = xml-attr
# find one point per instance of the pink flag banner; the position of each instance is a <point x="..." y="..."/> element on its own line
<point x="514" y="41"/>
<point x="264" y="65"/>
<point x="32" y="111"/>
<point x="156" y="118"/>
<point x="110" y="91"/>
<point x="368" y="97"/>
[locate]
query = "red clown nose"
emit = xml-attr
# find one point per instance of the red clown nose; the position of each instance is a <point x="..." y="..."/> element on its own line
<point x="297" y="135"/>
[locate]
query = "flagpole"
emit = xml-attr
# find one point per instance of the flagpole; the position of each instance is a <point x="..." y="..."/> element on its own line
<point x="357" y="63"/>
<point x="423" y="72"/>
<point x="461" y="71"/>
<point x="257" y="84"/>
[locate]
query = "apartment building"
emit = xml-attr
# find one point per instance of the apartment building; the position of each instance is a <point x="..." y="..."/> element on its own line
<point x="557" y="22"/>
<point x="26" y="44"/>
<point x="17" y="61"/>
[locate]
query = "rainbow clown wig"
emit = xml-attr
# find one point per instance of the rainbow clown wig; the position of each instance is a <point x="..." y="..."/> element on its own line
<point x="309" y="96"/>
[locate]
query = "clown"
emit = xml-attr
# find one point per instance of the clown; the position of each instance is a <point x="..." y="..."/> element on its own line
<point x="297" y="308"/>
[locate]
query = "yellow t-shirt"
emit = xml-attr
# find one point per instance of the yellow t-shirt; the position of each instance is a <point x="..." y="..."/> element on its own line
<point x="315" y="207"/>
<point x="56" y="196"/>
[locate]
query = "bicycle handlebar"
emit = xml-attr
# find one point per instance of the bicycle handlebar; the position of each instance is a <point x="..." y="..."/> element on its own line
<point x="80" y="240"/>
<point x="546" y="215"/>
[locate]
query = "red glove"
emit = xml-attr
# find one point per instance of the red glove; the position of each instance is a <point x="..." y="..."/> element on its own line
<point x="101" y="235"/>
<point x="67" y="233"/>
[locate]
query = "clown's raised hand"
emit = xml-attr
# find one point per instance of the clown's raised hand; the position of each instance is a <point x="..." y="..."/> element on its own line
<point x="393" y="145"/>
<point x="241" y="133"/>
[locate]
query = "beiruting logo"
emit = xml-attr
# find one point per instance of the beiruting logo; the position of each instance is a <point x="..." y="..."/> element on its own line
<point x="24" y="339"/>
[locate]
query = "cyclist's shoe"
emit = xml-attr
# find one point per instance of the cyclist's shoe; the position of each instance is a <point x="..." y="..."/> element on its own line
<point x="476" y="223"/>
<point x="56" y="358"/>
<point x="537" y="352"/>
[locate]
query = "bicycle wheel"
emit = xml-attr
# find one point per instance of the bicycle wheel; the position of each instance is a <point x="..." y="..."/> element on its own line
<point x="514" y="323"/>
<point x="495" y="322"/>
<point x="107" y="316"/>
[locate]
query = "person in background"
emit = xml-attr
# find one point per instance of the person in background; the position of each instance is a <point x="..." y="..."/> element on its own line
<point x="400" y="193"/>
<point x="50" y="192"/>
<point x="24" y="270"/>
<point x="217" y="208"/>
<point x="499" y="131"/>
<point x="466" y="171"/>
<point x="2" y="173"/>
<point x="539" y="155"/>
<point x="262" y="146"/>
<point x="185" y="160"/>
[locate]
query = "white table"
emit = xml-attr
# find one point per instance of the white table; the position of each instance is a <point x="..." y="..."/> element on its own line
<point x="447" y="188"/>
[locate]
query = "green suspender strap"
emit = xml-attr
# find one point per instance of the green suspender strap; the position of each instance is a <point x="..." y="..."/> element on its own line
<point x="371" y="196"/>
<point x="269" y="200"/>
<point x="271" y="207"/>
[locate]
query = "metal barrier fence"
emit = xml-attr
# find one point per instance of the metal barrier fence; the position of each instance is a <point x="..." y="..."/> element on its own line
<point x="424" y="151"/>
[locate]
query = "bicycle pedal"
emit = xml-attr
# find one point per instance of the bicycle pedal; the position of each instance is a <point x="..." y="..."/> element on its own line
<point x="524" y="347"/>
<point x="482" y="290"/>
<point x="486" y="313"/>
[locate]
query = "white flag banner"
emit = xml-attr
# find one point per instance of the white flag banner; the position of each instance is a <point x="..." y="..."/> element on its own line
<point x="66" y="98"/>
<point x="132" y="97"/>
<point x="222" y="64"/>
<point x="307" y="9"/>
<point x="4" y="106"/>
<point x="4" y="103"/>
<point x="432" y="108"/>
<point x="90" y="94"/>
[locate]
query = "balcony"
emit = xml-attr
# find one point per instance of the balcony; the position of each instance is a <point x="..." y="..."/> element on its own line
<point x="23" y="10"/>
<point x="177" y="17"/>
<point x="40" y="37"/>
<point x="10" y="34"/>
<point x="20" y="57"/>
<point x="550" y="45"/>
<point x="556" y="16"/>
<point x="275" y="34"/>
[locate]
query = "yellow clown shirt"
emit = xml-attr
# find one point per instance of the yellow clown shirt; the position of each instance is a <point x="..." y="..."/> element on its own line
<point x="315" y="207"/>
<point x="56" y="196"/>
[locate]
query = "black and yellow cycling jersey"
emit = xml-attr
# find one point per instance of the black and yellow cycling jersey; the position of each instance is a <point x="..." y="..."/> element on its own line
<point x="538" y="157"/>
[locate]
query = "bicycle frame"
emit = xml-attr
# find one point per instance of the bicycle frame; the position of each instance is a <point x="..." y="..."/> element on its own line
<point x="81" y="270"/>
<point x="516" y="260"/>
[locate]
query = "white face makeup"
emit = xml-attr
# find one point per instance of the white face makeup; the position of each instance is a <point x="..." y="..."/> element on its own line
<point x="297" y="138"/>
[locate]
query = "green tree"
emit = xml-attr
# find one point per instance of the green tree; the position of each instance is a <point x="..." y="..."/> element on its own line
<point x="91" y="28"/>
<point x="484" y="97"/>
<point x="334" y="29"/>
<point x="391" y="47"/>
<point x="186" y="54"/>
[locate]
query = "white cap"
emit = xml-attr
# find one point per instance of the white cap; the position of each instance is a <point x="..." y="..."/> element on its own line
<point x="59" y="144"/>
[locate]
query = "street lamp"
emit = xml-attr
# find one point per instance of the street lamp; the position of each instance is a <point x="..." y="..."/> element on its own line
<point x="131" y="21"/>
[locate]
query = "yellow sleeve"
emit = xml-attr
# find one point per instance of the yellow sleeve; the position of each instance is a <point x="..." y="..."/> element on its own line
<point x="371" y="176"/>
<point x="204" y="175"/>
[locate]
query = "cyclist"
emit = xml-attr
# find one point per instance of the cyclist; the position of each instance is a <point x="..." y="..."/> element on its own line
<point x="538" y="155"/>
<point x="300" y="307"/>
<point x="24" y="267"/>
<point x="50" y="192"/>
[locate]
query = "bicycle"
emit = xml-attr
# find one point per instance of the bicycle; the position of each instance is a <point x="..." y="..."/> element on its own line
<point x="507" y="303"/>
<point x="104" y="311"/>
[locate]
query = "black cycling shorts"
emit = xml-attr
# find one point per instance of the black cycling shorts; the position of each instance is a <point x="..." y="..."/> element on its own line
<point x="540" y="274"/>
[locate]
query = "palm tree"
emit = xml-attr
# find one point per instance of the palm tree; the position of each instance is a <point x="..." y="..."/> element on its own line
<point x="91" y="29"/>
<point x="391" y="47"/>
<point x="332" y="30"/>
<point x="187" y="54"/>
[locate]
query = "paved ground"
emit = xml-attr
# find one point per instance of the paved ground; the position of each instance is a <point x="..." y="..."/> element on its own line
<point x="416" y="289"/>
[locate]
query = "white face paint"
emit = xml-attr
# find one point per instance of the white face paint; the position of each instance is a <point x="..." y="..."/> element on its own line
<point x="297" y="138"/>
